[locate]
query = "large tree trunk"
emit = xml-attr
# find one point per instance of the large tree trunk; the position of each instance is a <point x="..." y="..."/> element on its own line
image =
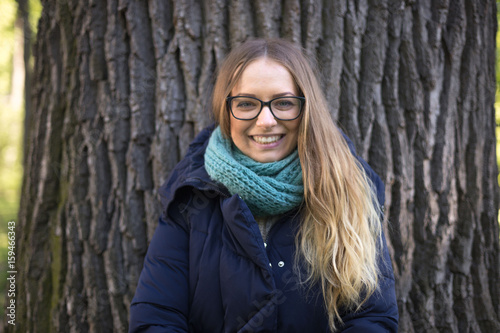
<point x="121" y="87"/>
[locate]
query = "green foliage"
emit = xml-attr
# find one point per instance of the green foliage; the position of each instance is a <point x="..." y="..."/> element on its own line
<point x="34" y="15"/>
<point x="8" y="11"/>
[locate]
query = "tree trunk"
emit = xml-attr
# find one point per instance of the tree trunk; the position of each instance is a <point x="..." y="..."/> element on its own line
<point x="121" y="87"/>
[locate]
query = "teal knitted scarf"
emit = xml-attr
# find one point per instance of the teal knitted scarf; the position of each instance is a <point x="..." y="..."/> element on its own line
<point x="267" y="188"/>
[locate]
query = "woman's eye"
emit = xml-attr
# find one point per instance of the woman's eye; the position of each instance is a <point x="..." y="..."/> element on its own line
<point x="246" y="104"/>
<point x="284" y="104"/>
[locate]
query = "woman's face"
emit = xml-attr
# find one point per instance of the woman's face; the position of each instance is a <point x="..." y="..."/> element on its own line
<point x="265" y="138"/>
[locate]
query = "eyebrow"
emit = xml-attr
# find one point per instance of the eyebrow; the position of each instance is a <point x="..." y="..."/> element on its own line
<point x="274" y="96"/>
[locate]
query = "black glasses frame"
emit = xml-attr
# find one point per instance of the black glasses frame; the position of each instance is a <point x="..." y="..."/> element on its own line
<point x="268" y="104"/>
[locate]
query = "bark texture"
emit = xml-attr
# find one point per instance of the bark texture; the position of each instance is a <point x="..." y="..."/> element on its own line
<point x="121" y="87"/>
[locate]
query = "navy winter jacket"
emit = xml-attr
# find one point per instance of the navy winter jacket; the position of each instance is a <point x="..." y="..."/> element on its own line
<point x="207" y="268"/>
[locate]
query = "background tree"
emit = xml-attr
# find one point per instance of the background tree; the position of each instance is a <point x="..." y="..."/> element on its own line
<point x="121" y="87"/>
<point x="12" y="83"/>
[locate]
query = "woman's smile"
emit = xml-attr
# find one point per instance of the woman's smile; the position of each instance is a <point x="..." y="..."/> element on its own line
<point x="267" y="139"/>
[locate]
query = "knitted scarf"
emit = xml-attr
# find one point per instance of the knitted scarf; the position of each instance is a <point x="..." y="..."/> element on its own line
<point x="267" y="188"/>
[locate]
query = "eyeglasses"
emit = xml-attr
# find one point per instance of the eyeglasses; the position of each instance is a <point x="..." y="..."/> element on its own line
<point x="282" y="108"/>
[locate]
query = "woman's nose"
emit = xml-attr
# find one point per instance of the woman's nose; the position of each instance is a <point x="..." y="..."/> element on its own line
<point x="266" y="118"/>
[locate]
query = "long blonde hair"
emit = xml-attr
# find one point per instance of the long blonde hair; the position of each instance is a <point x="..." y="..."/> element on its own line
<point x="338" y="239"/>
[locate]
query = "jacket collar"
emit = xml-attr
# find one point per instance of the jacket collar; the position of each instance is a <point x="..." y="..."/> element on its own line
<point x="190" y="171"/>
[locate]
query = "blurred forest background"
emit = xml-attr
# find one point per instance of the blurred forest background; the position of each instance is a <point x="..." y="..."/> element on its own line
<point x="12" y="112"/>
<point x="12" y="76"/>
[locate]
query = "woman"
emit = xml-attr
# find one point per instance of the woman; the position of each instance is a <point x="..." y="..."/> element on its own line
<point x="270" y="223"/>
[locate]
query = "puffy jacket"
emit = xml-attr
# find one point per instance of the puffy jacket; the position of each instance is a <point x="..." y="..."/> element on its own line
<point x="208" y="269"/>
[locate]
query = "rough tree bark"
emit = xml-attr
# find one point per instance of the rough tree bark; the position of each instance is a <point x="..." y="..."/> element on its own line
<point x="121" y="87"/>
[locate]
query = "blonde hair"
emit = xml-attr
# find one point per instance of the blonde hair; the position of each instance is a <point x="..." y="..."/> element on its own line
<point x="338" y="238"/>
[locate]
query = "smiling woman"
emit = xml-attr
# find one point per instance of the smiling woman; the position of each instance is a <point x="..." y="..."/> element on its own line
<point x="119" y="93"/>
<point x="286" y="203"/>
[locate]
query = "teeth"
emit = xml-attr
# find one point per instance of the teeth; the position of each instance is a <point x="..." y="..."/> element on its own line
<point x="266" y="139"/>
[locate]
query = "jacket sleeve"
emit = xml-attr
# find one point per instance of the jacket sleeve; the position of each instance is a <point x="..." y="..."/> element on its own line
<point x="380" y="312"/>
<point x="161" y="303"/>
